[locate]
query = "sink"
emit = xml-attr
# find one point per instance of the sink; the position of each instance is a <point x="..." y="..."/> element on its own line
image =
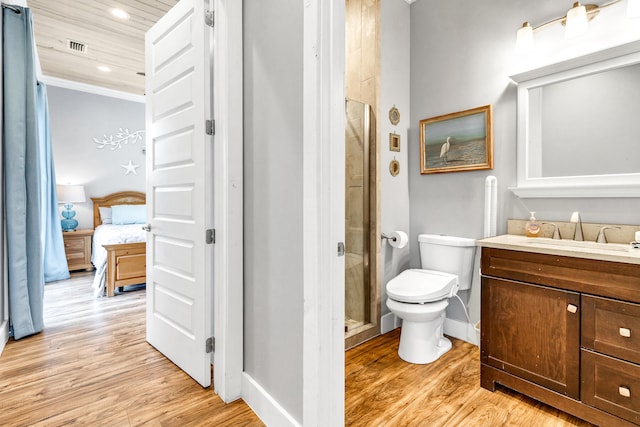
<point x="574" y="245"/>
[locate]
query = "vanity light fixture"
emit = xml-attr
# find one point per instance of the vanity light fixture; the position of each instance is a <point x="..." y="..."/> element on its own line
<point x="576" y="22"/>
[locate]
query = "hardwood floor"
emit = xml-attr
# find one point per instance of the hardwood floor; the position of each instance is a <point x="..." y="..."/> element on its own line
<point x="92" y="367"/>
<point x="383" y="390"/>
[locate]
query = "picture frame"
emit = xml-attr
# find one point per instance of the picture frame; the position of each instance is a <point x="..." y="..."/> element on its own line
<point x="394" y="115"/>
<point x="456" y="142"/>
<point x="394" y="142"/>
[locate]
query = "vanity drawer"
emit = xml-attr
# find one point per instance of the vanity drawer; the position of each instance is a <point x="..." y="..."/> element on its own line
<point x="605" y="278"/>
<point x="611" y="327"/>
<point x="612" y="385"/>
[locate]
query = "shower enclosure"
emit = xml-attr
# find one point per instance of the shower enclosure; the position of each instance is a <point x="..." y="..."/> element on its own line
<point x="361" y="302"/>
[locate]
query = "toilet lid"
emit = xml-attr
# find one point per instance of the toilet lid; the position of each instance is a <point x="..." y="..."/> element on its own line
<point x="418" y="286"/>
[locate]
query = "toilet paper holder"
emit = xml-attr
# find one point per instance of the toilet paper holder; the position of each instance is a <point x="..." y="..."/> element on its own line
<point x="386" y="236"/>
<point x="397" y="239"/>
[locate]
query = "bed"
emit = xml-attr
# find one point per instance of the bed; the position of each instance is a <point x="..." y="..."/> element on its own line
<point x="119" y="251"/>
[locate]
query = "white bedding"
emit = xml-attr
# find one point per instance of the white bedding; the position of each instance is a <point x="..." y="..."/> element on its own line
<point x="108" y="234"/>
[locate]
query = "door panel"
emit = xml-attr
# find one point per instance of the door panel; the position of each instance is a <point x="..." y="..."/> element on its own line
<point x="179" y="260"/>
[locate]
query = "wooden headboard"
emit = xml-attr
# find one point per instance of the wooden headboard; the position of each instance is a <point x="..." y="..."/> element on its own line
<point x="120" y="198"/>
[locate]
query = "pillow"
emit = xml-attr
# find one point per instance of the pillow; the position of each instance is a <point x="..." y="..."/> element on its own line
<point x="105" y="215"/>
<point x="128" y="214"/>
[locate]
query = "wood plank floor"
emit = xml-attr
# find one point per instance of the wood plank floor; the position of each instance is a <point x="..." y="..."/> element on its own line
<point x="383" y="390"/>
<point x="92" y="367"/>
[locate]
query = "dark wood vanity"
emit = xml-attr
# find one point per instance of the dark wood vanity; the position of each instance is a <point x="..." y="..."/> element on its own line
<point x="563" y="330"/>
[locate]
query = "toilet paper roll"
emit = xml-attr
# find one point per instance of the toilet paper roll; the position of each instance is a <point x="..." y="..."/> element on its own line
<point x="398" y="239"/>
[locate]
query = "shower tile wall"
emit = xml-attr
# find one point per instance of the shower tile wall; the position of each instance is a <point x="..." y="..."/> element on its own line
<point x="362" y="68"/>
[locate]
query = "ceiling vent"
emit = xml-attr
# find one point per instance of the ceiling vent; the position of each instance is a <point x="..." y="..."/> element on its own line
<point x="76" y="46"/>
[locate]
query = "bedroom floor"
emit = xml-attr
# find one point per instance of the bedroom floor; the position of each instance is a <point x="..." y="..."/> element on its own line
<point x="92" y="366"/>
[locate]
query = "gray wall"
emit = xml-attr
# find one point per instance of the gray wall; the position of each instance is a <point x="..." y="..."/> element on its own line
<point x="4" y="288"/>
<point x="394" y="91"/>
<point x="273" y="300"/>
<point x="461" y="56"/>
<point x="76" y="119"/>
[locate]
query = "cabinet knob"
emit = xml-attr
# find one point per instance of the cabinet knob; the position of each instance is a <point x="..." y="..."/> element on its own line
<point x="625" y="332"/>
<point x="624" y="391"/>
<point x="572" y="308"/>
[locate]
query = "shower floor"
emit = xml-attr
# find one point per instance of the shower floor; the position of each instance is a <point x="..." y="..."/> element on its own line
<point x="350" y="324"/>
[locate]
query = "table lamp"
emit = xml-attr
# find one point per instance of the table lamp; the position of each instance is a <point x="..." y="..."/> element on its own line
<point x="68" y="195"/>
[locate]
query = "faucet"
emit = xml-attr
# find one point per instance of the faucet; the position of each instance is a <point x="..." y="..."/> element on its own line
<point x="575" y="218"/>
<point x="602" y="238"/>
<point x="556" y="231"/>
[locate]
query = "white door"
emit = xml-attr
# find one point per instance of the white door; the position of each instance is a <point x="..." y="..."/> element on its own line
<point x="179" y="188"/>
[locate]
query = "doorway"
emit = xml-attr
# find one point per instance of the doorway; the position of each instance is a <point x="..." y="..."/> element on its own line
<point x="362" y="227"/>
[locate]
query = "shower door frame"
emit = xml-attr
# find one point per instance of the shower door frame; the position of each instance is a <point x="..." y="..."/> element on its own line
<point x="371" y="244"/>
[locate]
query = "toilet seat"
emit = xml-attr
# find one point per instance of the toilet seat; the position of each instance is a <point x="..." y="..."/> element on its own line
<point x="422" y="286"/>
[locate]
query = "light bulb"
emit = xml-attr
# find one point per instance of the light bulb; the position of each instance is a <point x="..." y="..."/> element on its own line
<point x="524" y="39"/>
<point x="577" y="23"/>
<point x="633" y="9"/>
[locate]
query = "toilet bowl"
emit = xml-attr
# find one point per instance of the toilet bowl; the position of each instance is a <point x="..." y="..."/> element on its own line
<point x="420" y="296"/>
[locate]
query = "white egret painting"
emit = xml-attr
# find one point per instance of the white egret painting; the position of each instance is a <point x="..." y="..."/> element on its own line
<point x="461" y="141"/>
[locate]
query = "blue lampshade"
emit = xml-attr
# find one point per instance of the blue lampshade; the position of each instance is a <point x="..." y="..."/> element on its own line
<point x="67" y="195"/>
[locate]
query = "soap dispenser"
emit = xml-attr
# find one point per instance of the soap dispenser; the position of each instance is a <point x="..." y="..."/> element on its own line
<point x="532" y="228"/>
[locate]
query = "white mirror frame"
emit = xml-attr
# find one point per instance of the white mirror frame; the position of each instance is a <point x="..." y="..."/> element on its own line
<point x="613" y="185"/>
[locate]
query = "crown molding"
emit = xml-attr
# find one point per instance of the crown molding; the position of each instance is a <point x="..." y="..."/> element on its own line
<point x="96" y="90"/>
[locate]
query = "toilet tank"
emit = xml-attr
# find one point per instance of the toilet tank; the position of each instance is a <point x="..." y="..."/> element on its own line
<point x="454" y="255"/>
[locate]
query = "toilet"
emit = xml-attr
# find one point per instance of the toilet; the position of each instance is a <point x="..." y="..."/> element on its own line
<point x="420" y="296"/>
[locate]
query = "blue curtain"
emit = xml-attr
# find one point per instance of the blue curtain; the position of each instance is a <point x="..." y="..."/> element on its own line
<point x="55" y="261"/>
<point x="25" y="179"/>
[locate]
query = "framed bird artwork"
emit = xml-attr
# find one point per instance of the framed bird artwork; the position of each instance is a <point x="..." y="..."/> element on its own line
<point x="455" y="142"/>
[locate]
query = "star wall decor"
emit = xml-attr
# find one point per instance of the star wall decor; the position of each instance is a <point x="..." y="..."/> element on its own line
<point x="130" y="168"/>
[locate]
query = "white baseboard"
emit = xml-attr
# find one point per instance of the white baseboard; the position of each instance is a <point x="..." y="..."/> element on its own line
<point x="462" y="330"/>
<point x="388" y="323"/>
<point x="265" y="406"/>
<point x="4" y="335"/>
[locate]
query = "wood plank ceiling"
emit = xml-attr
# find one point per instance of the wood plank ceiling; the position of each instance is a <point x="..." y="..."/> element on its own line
<point x="109" y="41"/>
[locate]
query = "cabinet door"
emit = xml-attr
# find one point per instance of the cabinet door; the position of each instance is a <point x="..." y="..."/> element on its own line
<point x="532" y="332"/>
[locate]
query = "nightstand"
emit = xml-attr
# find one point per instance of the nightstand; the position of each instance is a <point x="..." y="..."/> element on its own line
<point x="77" y="246"/>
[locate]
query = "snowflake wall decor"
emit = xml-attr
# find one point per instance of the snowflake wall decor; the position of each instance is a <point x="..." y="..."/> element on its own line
<point x="123" y="137"/>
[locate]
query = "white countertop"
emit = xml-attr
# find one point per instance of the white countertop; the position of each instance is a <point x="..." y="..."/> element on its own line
<point x="590" y="250"/>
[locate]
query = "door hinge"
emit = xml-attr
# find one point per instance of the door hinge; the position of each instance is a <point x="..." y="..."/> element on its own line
<point x="340" y="248"/>
<point x="211" y="236"/>
<point x="209" y="18"/>
<point x="210" y="345"/>
<point x="210" y="127"/>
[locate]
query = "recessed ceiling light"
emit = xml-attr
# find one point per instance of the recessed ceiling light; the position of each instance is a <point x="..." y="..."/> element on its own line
<point x="104" y="68"/>
<point x="119" y="13"/>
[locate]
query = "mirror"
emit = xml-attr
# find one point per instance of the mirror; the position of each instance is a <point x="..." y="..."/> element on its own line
<point x="579" y="127"/>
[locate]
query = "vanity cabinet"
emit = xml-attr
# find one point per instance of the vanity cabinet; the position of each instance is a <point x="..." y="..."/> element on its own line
<point x="563" y="330"/>
<point x="521" y="340"/>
